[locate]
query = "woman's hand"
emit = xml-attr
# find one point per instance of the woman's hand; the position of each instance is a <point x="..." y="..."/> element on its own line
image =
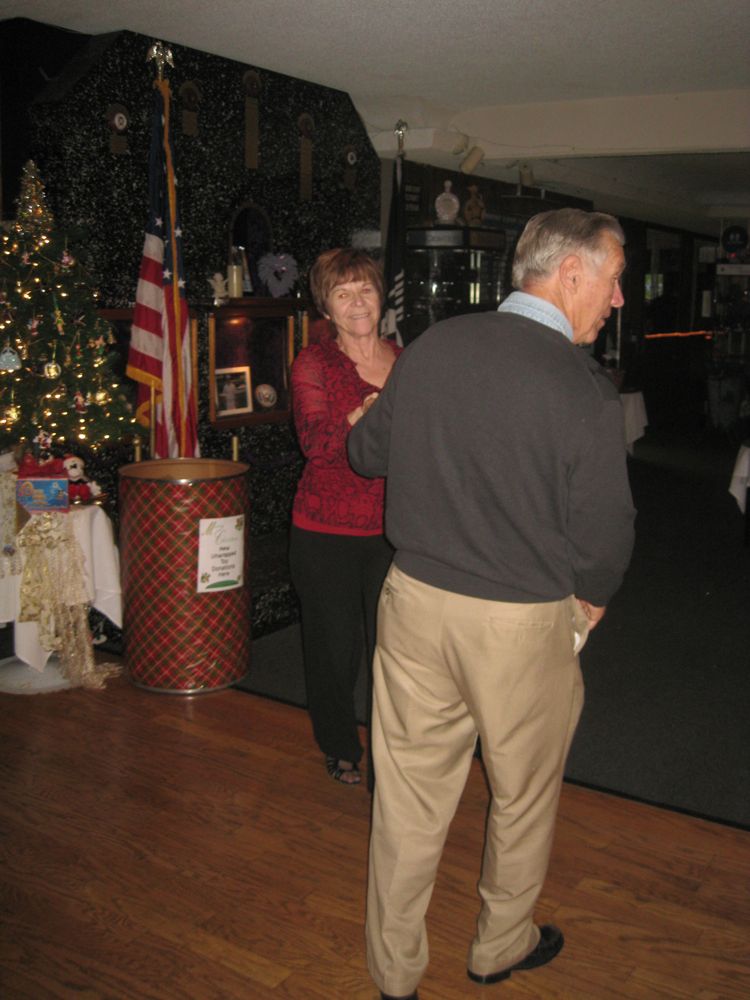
<point x="360" y="411"/>
<point x="368" y="401"/>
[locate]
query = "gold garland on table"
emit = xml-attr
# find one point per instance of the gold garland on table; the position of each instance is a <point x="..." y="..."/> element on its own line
<point x="10" y="560"/>
<point x="53" y="594"/>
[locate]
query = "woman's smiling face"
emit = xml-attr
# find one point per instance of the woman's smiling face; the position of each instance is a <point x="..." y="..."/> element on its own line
<point x="354" y="308"/>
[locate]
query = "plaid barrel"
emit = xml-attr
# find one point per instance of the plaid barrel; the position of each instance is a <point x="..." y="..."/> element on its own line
<point x="176" y="639"/>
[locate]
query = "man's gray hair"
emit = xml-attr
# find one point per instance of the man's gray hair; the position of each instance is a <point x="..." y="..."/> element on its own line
<point x="550" y="236"/>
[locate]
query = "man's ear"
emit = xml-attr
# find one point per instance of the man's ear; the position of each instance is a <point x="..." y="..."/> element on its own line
<point x="570" y="271"/>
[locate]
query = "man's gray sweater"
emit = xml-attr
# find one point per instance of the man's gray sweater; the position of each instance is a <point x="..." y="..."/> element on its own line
<point x="503" y="447"/>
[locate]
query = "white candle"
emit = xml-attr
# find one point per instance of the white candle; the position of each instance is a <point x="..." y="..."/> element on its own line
<point x="234" y="281"/>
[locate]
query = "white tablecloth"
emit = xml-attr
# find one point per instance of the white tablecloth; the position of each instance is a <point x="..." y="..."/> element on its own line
<point x="93" y="531"/>
<point x="741" y="477"/>
<point x="636" y="418"/>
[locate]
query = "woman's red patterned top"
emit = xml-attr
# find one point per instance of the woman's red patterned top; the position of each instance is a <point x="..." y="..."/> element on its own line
<point x="331" y="497"/>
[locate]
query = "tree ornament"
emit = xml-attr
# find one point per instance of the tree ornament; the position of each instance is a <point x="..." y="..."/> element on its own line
<point x="9" y="359"/>
<point x="58" y="317"/>
<point x="52" y="369"/>
<point x="43" y="442"/>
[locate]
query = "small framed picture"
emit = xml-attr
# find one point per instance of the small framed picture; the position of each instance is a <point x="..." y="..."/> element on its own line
<point x="232" y="391"/>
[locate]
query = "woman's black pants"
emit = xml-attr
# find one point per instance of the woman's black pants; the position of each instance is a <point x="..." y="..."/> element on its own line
<point x="338" y="580"/>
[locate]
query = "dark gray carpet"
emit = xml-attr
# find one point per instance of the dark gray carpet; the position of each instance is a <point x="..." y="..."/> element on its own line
<point x="667" y="715"/>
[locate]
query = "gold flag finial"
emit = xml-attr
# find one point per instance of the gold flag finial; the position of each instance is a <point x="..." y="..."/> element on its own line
<point x="162" y="56"/>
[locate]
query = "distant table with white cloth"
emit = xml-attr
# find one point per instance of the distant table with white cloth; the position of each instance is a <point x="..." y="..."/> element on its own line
<point x="92" y="530"/>
<point x="636" y="418"/>
<point x="740" y="483"/>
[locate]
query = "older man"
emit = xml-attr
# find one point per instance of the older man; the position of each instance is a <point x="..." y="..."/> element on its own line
<point x="509" y="508"/>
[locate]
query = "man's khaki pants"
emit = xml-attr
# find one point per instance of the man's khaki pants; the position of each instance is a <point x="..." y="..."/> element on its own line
<point x="449" y="667"/>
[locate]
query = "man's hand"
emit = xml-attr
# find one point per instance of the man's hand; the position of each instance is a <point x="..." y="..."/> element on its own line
<point x="592" y="612"/>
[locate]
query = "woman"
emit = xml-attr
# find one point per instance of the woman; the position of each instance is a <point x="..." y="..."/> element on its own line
<point x="338" y="554"/>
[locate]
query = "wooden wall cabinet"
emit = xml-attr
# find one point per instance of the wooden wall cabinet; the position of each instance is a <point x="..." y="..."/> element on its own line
<point x="251" y="349"/>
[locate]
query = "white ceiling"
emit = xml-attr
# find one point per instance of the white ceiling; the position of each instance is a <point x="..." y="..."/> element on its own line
<point x="641" y="105"/>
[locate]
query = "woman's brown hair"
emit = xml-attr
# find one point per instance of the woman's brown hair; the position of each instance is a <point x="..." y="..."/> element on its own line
<point x="336" y="267"/>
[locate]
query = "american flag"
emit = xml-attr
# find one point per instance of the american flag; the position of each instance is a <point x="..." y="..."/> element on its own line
<point x="160" y="349"/>
<point x="392" y="324"/>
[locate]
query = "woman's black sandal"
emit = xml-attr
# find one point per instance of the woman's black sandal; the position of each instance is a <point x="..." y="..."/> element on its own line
<point x="337" y="772"/>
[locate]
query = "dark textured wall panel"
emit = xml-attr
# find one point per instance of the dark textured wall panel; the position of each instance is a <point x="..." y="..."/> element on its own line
<point x="104" y="194"/>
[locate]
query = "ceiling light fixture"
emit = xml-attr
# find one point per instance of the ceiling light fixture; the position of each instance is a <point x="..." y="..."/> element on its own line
<point x="462" y="144"/>
<point x="526" y="175"/>
<point x="472" y="160"/>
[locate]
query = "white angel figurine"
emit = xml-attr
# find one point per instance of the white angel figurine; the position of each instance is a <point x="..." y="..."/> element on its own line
<point x="219" y="285"/>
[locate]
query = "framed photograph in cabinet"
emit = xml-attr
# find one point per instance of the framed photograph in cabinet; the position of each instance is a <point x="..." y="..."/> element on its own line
<point x="232" y="391"/>
<point x="251" y="348"/>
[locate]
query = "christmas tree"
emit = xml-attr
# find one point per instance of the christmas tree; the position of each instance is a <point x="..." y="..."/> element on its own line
<point x="58" y="391"/>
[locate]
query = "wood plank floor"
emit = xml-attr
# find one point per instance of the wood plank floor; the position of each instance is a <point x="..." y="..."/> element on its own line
<point x="161" y="846"/>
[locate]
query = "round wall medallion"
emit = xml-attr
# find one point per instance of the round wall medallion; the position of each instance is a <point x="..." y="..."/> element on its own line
<point x="117" y="117"/>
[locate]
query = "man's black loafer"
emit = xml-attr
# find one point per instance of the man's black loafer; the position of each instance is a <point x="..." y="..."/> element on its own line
<point x="550" y="944"/>
<point x="410" y="996"/>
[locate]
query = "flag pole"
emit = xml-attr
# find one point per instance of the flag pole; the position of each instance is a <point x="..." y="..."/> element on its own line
<point x="161" y="353"/>
<point x="392" y="322"/>
<point x="152" y="422"/>
<point x="160" y="54"/>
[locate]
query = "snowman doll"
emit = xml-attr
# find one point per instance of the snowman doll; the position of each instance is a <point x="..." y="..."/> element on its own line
<point x="80" y="489"/>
